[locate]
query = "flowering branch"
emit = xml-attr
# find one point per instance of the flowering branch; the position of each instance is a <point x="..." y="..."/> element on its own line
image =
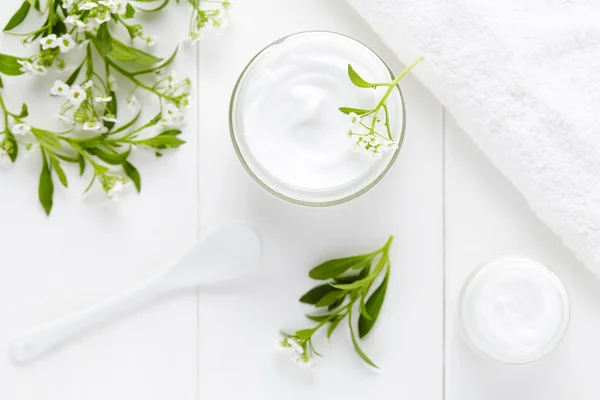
<point x="96" y="133"/>
<point x="367" y="136"/>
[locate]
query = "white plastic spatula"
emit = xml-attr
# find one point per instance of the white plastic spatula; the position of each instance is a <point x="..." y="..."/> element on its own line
<point x="225" y="254"/>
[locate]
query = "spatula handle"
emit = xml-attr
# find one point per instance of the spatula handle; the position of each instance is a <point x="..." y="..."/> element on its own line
<point x="33" y="343"/>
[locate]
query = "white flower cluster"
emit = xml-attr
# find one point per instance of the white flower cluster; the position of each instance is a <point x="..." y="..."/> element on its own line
<point x="88" y="15"/>
<point x="177" y="92"/>
<point x="36" y="67"/>
<point x="209" y="20"/>
<point x="373" y="143"/>
<point x="299" y="355"/>
<point x="114" y="185"/>
<point x="84" y="112"/>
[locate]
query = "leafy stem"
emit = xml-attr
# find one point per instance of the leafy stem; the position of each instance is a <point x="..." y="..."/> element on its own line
<point x="348" y="282"/>
<point x="366" y="135"/>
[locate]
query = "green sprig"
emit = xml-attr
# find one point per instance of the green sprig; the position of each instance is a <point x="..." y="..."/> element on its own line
<point x="348" y="287"/>
<point x="363" y="129"/>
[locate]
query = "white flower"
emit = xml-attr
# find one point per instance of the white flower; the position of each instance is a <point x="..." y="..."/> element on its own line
<point x="150" y="41"/>
<point x="38" y="68"/>
<point x="66" y="43"/>
<point x="88" y="5"/>
<point x="21" y="129"/>
<point x="294" y="345"/>
<point x="110" y="118"/>
<point x="107" y="3"/>
<point x="283" y="346"/>
<point x="87" y="84"/>
<point x="26" y="66"/>
<point x="68" y="5"/>
<point x="102" y="17"/>
<point x="112" y="83"/>
<point x="119" y="7"/>
<point x="59" y="88"/>
<point x="64" y="119"/>
<point x="92" y="125"/>
<point x="170" y="112"/>
<point x="304" y="362"/>
<point x="116" y="188"/>
<point x="48" y="42"/>
<point x="355" y="118"/>
<point x="132" y="103"/>
<point x="76" y="95"/>
<point x="103" y="99"/>
<point x="4" y="158"/>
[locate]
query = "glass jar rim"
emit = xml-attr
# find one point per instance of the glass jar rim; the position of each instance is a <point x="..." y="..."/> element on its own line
<point x="266" y="186"/>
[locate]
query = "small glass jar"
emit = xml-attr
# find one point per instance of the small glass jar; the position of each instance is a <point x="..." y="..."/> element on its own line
<point x="268" y="178"/>
<point x="513" y="310"/>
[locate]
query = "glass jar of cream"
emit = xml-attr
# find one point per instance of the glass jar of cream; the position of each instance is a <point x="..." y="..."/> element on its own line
<point x="285" y="123"/>
<point x="514" y="310"/>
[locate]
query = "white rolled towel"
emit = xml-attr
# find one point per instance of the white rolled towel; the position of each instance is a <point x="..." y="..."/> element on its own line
<point x="522" y="78"/>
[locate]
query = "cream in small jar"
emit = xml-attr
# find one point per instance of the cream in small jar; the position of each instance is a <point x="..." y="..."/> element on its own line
<point x="514" y="310"/>
<point x="286" y="125"/>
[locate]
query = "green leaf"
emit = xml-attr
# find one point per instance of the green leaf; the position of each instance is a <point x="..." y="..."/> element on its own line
<point x="103" y="40"/>
<point x="304" y="333"/>
<point x="130" y="123"/>
<point x="363" y="309"/>
<point x="357" y="348"/>
<point x="330" y="298"/>
<point x="9" y="65"/>
<point x="317" y="293"/>
<point x="160" y="7"/>
<point x="359" y="111"/>
<point x="46" y="139"/>
<point x="334" y="268"/>
<point x="162" y="65"/>
<point x="19" y="16"/>
<point x="111" y="108"/>
<point x="24" y="111"/>
<point x="81" y="161"/>
<point x="1" y="83"/>
<point x="354" y="285"/>
<point x="133" y="174"/>
<point x="109" y="158"/>
<point x="67" y="158"/>
<point x="122" y="52"/>
<point x="74" y="75"/>
<point x="373" y="306"/>
<point x="344" y="280"/>
<point x="318" y="318"/>
<point x="59" y="171"/>
<point x="357" y="80"/>
<point x="162" y="141"/>
<point x="59" y="28"/>
<point x="46" y="187"/>
<point x="336" y="304"/>
<point x="334" y="324"/>
<point x="129" y="11"/>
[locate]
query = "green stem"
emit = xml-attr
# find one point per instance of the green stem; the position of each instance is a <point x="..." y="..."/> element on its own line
<point x="395" y="81"/>
<point x="5" y="111"/>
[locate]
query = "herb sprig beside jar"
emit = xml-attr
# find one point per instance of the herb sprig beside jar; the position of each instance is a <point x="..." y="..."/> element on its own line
<point x="347" y="292"/>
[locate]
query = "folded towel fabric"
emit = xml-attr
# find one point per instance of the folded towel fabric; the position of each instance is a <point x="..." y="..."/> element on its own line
<point x="522" y="78"/>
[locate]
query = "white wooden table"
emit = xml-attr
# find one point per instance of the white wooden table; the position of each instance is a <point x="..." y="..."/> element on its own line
<point x="448" y="207"/>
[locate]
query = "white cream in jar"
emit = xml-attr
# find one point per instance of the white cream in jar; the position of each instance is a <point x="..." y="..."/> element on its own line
<point x="514" y="310"/>
<point x="285" y="120"/>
